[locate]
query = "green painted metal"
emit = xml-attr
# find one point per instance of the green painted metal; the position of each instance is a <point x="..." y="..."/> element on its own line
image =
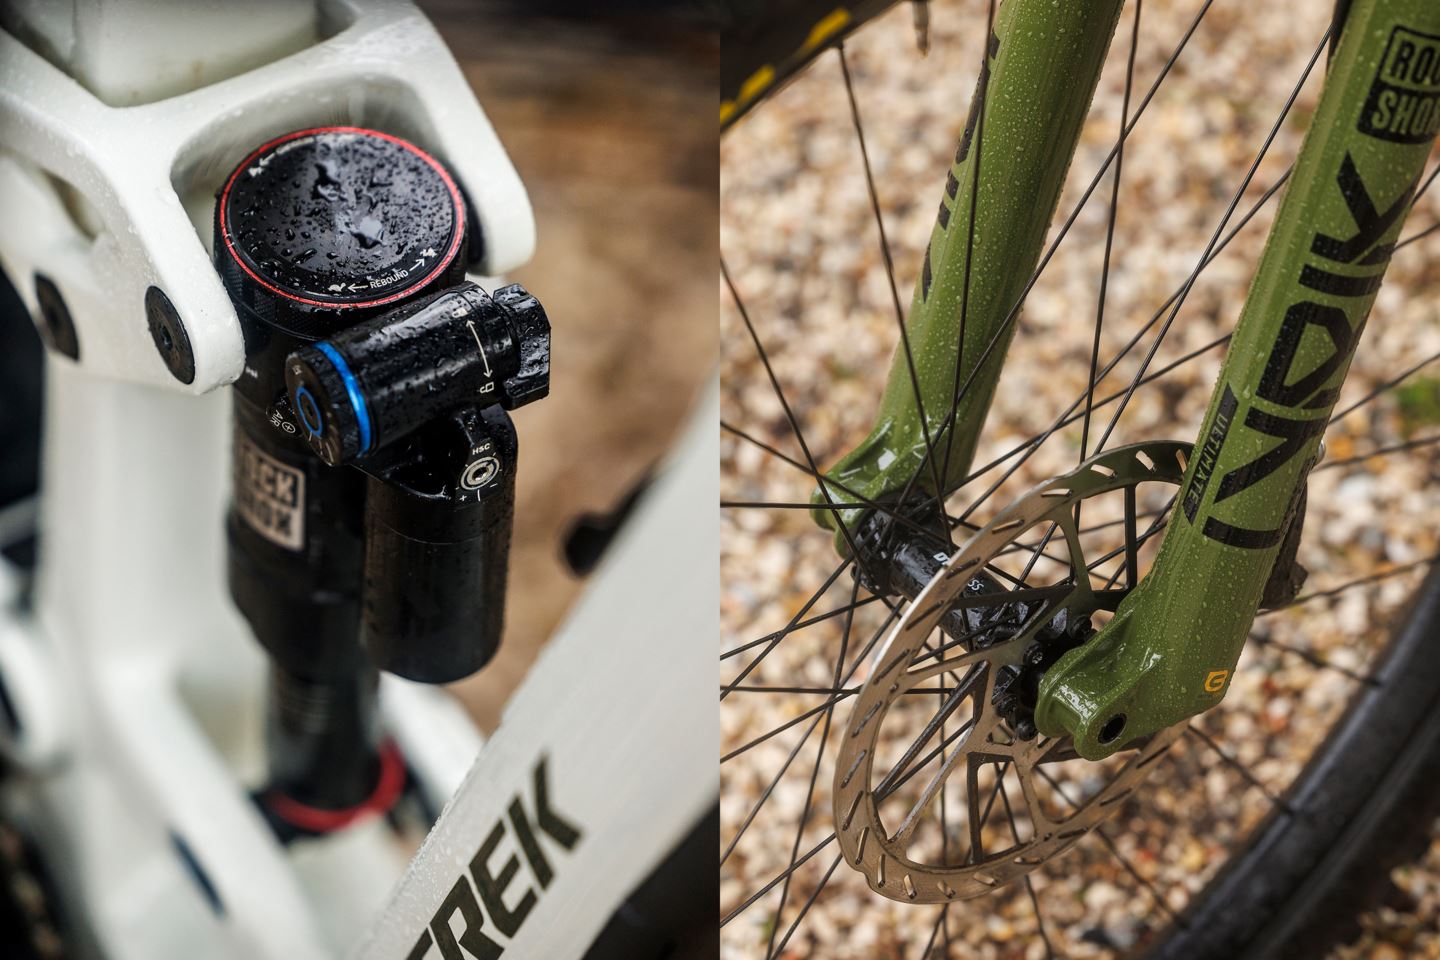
<point x="1040" y="76"/>
<point x="1171" y="649"/>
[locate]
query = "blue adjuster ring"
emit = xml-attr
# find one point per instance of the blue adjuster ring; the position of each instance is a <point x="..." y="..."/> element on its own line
<point x="352" y="387"/>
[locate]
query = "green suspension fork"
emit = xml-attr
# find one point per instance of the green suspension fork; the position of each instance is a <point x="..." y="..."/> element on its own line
<point x="1171" y="649"/>
<point x="1041" y="68"/>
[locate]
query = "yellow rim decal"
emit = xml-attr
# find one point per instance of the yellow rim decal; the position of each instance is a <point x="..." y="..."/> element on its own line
<point x="827" y="28"/>
<point x="834" y="22"/>
<point x="758" y="81"/>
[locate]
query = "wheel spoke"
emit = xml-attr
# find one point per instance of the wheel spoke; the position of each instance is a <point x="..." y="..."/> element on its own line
<point x="890" y="275"/>
<point x="1029" y="885"/>
<point x="1416" y="444"/>
<point x="1130" y="868"/>
<point x="1418" y="235"/>
<point x="789" y="413"/>
<point x="777" y="949"/>
<point x="749" y="667"/>
<point x="765" y="794"/>
<point x="1109" y="245"/>
<point x="1358" y="582"/>
<point x="829" y="701"/>
<point x="1240" y="768"/>
<point x="952" y="702"/>
<point x="818" y="618"/>
<point x="1012" y="315"/>
<point x="1115" y="851"/>
<point x="777" y="880"/>
<point x="937" y="780"/>
<point x="982" y="90"/>
<point x="810" y="790"/>
<point x="884" y="509"/>
<point x="1214" y="239"/>
<point x="940" y="923"/>
<point x="1385" y="387"/>
<point x="1316" y="661"/>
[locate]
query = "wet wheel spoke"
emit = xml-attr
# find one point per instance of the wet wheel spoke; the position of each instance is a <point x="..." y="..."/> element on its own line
<point x="1214" y="240"/>
<point x="890" y="276"/>
<point x="779" y="948"/>
<point x="1029" y="882"/>
<point x="941" y="924"/>
<point x="1234" y="763"/>
<point x="1115" y="851"/>
<point x="1013" y="313"/>
<point x="804" y="818"/>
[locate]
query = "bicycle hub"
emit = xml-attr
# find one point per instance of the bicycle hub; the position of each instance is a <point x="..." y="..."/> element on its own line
<point x="374" y="457"/>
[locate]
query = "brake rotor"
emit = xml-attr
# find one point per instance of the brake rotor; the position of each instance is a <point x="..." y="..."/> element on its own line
<point x="981" y="666"/>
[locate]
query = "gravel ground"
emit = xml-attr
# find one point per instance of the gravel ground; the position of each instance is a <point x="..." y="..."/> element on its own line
<point x="799" y="238"/>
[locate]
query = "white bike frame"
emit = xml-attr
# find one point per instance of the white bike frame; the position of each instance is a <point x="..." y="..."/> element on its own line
<point x="138" y="688"/>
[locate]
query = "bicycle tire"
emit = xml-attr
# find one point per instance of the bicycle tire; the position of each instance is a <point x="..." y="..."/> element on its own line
<point x="1360" y="807"/>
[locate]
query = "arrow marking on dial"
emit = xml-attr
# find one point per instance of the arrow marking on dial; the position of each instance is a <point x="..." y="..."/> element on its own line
<point x="483" y="358"/>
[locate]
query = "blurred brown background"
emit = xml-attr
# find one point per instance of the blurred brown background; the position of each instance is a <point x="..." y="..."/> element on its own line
<point x="609" y="116"/>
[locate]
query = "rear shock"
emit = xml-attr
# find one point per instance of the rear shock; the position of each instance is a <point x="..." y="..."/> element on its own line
<point x="374" y="458"/>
